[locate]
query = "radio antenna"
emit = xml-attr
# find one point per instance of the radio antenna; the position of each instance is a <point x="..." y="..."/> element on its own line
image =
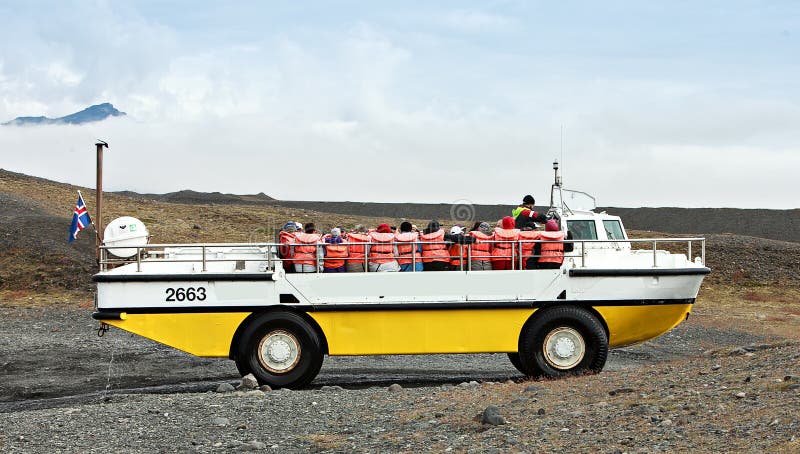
<point x="561" y="150"/>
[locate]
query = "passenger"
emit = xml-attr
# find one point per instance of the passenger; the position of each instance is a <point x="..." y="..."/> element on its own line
<point x="356" y="251"/>
<point x="286" y="237"/>
<point x="527" y="238"/>
<point x="551" y="251"/>
<point x="335" y="252"/>
<point x="458" y="251"/>
<point x="306" y="255"/>
<point x="381" y="251"/>
<point x="524" y="216"/>
<point x="505" y="242"/>
<point x="481" y="254"/>
<point x="409" y="254"/>
<point x="434" y="256"/>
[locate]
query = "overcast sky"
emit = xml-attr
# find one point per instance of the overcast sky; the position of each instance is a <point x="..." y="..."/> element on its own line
<point x="693" y="104"/>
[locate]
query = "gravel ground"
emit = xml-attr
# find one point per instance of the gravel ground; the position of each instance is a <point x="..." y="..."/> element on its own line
<point x="714" y="403"/>
<point x="60" y="390"/>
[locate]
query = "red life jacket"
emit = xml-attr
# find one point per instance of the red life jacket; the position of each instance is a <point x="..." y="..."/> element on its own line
<point x="335" y="254"/>
<point x="527" y="237"/>
<point x="305" y="251"/>
<point x="406" y="246"/>
<point x="285" y="251"/>
<point x="481" y="250"/>
<point x="552" y="251"/>
<point x="382" y="248"/>
<point x="355" y="252"/>
<point x="507" y="239"/>
<point x="434" y="252"/>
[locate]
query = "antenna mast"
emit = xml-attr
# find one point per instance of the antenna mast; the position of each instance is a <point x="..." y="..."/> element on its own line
<point x="561" y="147"/>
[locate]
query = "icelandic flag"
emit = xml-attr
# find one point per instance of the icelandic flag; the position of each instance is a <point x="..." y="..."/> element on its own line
<point x="80" y="219"/>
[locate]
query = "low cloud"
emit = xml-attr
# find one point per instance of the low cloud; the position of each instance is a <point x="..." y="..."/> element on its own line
<point x="379" y="111"/>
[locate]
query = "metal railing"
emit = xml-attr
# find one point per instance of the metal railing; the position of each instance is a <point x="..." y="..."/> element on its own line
<point x="270" y="252"/>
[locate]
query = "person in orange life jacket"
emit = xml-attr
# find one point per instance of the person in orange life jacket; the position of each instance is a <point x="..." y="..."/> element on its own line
<point x="481" y="253"/>
<point x="550" y="253"/>
<point x="434" y="256"/>
<point x="286" y="237"/>
<point x="505" y="239"/>
<point x="305" y="253"/>
<point x="409" y="256"/>
<point x="524" y="216"/>
<point x="458" y="251"/>
<point x="525" y="250"/>
<point x="335" y="252"/>
<point x="382" y="251"/>
<point x="356" y="250"/>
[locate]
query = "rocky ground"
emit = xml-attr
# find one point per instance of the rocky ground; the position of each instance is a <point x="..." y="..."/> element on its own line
<point x="697" y="388"/>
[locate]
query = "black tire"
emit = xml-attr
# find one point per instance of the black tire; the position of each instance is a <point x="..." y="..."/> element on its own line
<point x="566" y="329"/>
<point x="292" y="338"/>
<point x="242" y="366"/>
<point x="517" y="362"/>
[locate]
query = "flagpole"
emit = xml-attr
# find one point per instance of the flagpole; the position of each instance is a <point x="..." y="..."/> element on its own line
<point x="98" y="223"/>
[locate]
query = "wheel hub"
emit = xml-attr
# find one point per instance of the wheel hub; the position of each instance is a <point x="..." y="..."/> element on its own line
<point x="279" y="351"/>
<point x="564" y="348"/>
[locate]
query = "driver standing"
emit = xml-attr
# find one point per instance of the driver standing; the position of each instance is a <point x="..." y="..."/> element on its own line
<point x="524" y="216"/>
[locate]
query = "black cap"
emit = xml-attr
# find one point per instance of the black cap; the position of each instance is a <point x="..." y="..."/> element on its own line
<point x="528" y="200"/>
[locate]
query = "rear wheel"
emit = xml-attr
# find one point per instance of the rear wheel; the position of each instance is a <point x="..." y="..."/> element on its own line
<point x="563" y="341"/>
<point x="281" y="349"/>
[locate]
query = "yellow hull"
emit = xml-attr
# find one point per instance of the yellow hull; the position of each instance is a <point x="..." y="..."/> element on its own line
<point x="399" y="332"/>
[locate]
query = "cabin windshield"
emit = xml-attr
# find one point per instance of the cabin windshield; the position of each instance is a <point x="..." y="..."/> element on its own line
<point x="577" y="200"/>
<point x="569" y="200"/>
<point x="613" y="230"/>
<point x="582" y="230"/>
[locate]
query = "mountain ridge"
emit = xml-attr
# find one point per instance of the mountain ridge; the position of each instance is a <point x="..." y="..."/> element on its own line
<point x="783" y="225"/>
<point x="97" y="112"/>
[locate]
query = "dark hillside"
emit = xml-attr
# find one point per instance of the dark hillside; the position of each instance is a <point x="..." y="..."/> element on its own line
<point x="34" y="253"/>
<point x="194" y="197"/>
<point x="774" y="224"/>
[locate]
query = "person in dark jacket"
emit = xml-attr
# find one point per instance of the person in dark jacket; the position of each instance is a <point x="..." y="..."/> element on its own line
<point x="524" y="216"/>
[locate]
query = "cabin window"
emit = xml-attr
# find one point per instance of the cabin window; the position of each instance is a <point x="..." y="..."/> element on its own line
<point x="613" y="230"/>
<point x="582" y="230"/>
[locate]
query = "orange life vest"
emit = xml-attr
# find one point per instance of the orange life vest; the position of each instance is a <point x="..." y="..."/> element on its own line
<point x="355" y="252"/>
<point x="507" y="239"/>
<point x="382" y="248"/>
<point x="457" y="253"/>
<point x="527" y="237"/>
<point x="481" y="250"/>
<point x="552" y="251"/>
<point x="434" y="252"/>
<point x="286" y="238"/>
<point x="405" y="250"/>
<point x="335" y="254"/>
<point x="305" y="251"/>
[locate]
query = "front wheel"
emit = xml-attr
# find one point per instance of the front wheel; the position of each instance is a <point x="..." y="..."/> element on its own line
<point x="517" y="362"/>
<point x="281" y="349"/>
<point x="562" y="341"/>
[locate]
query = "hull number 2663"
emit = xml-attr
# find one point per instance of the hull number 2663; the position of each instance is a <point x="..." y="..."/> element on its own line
<point x="186" y="294"/>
